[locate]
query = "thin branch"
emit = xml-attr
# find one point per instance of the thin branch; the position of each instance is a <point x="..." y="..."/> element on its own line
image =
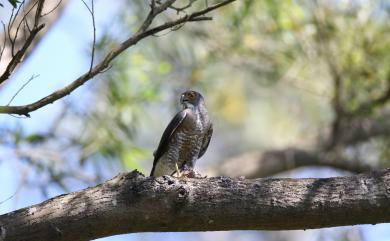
<point x="9" y="29"/>
<point x="180" y="9"/>
<point x="13" y="19"/>
<point x="26" y="24"/>
<point x="200" y="18"/>
<point x="142" y="33"/>
<point x="13" y="195"/>
<point x="177" y="27"/>
<point x="19" y="55"/>
<point x="5" y="40"/>
<point x="21" y="88"/>
<point x="54" y="8"/>
<point x="16" y="32"/>
<point x="38" y="13"/>
<point x="92" y="12"/>
<point x="26" y="19"/>
<point x="154" y="11"/>
<point x="17" y="58"/>
<point x="23" y="22"/>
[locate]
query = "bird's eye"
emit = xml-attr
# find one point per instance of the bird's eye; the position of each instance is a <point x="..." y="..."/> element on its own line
<point x="191" y="95"/>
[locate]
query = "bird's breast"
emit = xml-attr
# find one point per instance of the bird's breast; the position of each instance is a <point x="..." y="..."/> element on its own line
<point x="185" y="146"/>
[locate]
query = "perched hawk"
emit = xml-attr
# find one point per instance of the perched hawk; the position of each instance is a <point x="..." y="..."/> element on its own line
<point x="185" y="139"/>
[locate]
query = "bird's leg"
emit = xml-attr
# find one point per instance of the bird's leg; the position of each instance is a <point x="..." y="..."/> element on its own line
<point x="177" y="170"/>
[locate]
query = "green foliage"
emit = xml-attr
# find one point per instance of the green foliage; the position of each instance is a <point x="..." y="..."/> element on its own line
<point x="288" y="51"/>
<point x="14" y="3"/>
<point x="35" y="138"/>
<point x="130" y="158"/>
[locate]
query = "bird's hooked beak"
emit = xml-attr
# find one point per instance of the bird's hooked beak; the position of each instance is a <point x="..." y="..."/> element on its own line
<point x="183" y="99"/>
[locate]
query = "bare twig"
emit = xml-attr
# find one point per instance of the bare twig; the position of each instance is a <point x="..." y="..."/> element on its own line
<point x="38" y="13"/>
<point x="21" y="52"/>
<point x="10" y="21"/>
<point x="179" y="9"/>
<point x="21" y="88"/>
<point x="53" y="9"/>
<point x="154" y="11"/>
<point x="5" y="40"/>
<point x="13" y="195"/>
<point x="25" y="22"/>
<point x="92" y="12"/>
<point x="142" y="33"/>
<point x="22" y="20"/>
<point x="19" y="55"/>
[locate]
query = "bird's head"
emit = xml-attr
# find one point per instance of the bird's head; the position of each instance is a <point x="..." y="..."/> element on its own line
<point x="191" y="99"/>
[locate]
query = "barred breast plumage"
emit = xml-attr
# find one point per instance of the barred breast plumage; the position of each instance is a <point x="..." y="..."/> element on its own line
<point x="186" y="145"/>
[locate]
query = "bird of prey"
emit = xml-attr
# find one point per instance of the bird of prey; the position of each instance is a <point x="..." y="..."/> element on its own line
<point x="185" y="139"/>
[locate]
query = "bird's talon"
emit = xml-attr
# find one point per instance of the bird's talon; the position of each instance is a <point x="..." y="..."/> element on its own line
<point x="179" y="174"/>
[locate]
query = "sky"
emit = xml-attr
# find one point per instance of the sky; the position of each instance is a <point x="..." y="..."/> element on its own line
<point x="60" y="58"/>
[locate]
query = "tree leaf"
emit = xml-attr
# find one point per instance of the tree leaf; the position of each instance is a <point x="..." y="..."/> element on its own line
<point x="14" y="2"/>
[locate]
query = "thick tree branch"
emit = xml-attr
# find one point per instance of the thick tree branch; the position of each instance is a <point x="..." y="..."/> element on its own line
<point x="363" y="129"/>
<point x="337" y="104"/>
<point x="134" y="203"/>
<point x="142" y="33"/>
<point x="381" y="100"/>
<point x="353" y="130"/>
<point x="263" y="164"/>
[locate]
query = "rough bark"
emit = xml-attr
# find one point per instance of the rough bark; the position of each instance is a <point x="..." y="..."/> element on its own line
<point x="134" y="203"/>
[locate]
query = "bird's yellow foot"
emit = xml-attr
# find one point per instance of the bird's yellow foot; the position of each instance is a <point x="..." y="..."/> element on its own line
<point x="178" y="173"/>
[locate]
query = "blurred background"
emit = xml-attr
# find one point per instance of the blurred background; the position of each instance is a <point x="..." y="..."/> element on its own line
<point x="294" y="89"/>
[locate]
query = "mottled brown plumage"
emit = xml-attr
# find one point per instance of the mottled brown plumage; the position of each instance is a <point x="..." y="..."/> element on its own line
<point x="185" y="139"/>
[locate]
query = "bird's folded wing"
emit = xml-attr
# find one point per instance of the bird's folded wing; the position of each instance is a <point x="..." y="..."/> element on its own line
<point x="206" y="141"/>
<point x="169" y="131"/>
